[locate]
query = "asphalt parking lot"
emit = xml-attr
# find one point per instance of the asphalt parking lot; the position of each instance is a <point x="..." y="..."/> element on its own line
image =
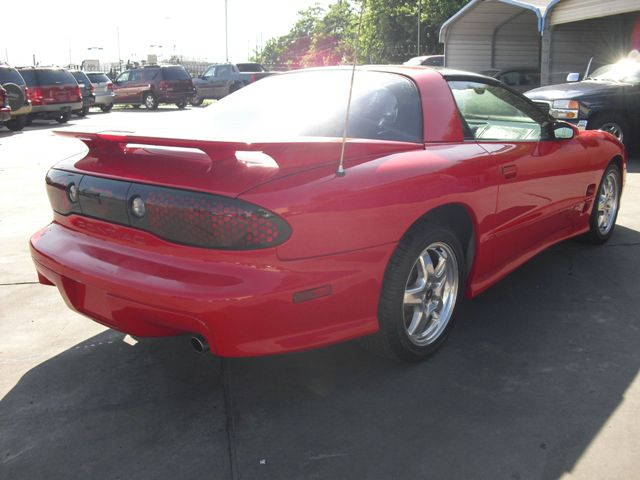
<point x="539" y="379"/>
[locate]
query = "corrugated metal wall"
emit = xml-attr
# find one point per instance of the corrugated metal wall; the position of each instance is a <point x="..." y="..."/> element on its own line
<point x="469" y="41"/>
<point x="517" y="43"/>
<point x="577" y="10"/>
<point x="573" y="44"/>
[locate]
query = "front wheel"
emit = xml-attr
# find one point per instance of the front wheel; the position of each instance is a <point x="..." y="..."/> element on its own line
<point x="106" y="108"/>
<point x="422" y="286"/>
<point x="196" y="101"/>
<point x="605" y="207"/>
<point x="181" y="105"/>
<point x="613" y="123"/>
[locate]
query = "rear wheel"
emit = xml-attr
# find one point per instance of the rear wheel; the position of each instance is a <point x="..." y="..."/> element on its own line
<point x="64" y="117"/>
<point x="136" y="106"/>
<point x="150" y="101"/>
<point x="17" y="123"/>
<point x="181" y="105"/>
<point x="421" y="289"/>
<point x="605" y="207"/>
<point x="196" y="101"/>
<point x="106" y="108"/>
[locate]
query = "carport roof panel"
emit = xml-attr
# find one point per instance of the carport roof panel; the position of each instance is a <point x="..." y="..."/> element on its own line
<point x="568" y="11"/>
<point x="539" y="7"/>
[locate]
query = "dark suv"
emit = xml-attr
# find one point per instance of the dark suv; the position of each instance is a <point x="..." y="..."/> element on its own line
<point x="150" y="86"/>
<point x="86" y="87"/>
<point x="53" y="92"/>
<point x="16" y="89"/>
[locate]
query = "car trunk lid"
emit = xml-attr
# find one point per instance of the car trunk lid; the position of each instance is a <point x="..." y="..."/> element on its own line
<point x="222" y="167"/>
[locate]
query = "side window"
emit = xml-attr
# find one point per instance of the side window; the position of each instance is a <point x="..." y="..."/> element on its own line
<point x="123" y="77"/>
<point x="493" y="113"/>
<point x="510" y="78"/>
<point x="223" y="71"/>
<point x="209" y="73"/>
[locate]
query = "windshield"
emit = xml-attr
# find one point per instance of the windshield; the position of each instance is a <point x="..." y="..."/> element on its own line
<point x="384" y="106"/>
<point x="625" y="71"/>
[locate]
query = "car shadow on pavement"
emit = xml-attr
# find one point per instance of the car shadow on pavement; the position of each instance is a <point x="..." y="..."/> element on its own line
<point x="531" y="373"/>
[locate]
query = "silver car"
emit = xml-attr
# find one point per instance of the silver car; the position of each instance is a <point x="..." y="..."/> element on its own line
<point x="103" y="90"/>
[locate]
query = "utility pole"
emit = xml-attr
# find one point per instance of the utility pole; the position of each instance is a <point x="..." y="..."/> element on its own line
<point x="419" y="12"/>
<point x="226" y="32"/>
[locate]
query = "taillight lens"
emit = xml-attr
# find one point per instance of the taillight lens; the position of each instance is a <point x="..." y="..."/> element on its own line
<point x="35" y="95"/>
<point x="253" y="78"/>
<point x="78" y="92"/>
<point x="179" y="216"/>
<point x="110" y="87"/>
<point x="91" y="87"/>
<point x="163" y="85"/>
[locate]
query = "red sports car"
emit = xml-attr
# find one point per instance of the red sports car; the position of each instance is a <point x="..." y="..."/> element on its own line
<point x="260" y="231"/>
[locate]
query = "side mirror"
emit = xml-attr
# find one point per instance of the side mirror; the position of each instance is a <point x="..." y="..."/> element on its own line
<point x="564" y="131"/>
<point x="573" y="77"/>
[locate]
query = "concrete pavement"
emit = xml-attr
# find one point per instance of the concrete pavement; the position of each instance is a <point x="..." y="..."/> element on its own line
<point x="538" y="380"/>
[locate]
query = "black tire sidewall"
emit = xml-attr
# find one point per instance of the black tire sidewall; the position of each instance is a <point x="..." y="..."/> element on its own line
<point x="390" y="311"/>
<point x="594" y="232"/>
<point x="611" y="117"/>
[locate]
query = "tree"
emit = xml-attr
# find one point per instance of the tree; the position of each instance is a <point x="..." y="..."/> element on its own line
<point x="389" y="33"/>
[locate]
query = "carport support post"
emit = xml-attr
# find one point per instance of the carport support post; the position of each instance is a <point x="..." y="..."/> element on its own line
<point x="545" y="55"/>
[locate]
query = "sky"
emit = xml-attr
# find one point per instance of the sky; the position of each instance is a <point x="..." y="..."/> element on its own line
<point x="61" y="32"/>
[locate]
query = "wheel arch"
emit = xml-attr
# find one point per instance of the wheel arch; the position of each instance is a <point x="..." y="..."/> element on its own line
<point x="460" y="219"/>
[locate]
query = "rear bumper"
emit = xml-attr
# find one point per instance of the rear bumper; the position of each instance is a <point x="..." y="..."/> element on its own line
<point x="241" y="302"/>
<point x="55" y="108"/>
<point x="105" y="99"/>
<point x="174" y="97"/>
<point x="24" y="110"/>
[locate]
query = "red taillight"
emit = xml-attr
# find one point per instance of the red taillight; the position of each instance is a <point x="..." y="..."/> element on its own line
<point x="78" y="92"/>
<point x="179" y="216"/>
<point x="163" y="85"/>
<point x="110" y="87"/>
<point x="92" y="87"/>
<point x="3" y="98"/>
<point x="253" y="78"/>
<point x="35" y="95"/>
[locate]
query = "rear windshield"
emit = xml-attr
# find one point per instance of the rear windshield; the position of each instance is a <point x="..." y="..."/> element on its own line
<point x="175" y="73"/>
<point x="47" y="77"/>
<point x="10" y="75"/>
<point x="80" y="77"/>
<point x="250" y="67"/>
<point x="98" y="77"/>
<point x="385" y="106"/>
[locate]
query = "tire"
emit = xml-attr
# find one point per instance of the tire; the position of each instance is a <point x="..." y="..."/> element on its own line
<point x="64" y="117"/>
<point x="606" y="205"/>
<point x="196" y="101"/>
<point x="106" y="108"/>
<point x="150" y="101"/>
<point x="181" y="105"/>
<point x="15" y="96"/>
<point x="426" y="271"/>
<point x="235" y="87"/>
<point x="136" y="106"/>
<point x="16" y="124"/>
<point x="614" y="123"/>
<point x="29" y="120"/>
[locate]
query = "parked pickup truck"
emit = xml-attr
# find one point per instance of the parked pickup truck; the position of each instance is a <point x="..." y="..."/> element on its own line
<point x="220" y="80"/>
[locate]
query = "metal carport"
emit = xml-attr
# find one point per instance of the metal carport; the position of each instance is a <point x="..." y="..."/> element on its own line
<point x="558" y="36"/>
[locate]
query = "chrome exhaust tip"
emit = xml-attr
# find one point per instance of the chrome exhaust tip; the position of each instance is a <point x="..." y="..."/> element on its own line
<point x="199" y="344"/>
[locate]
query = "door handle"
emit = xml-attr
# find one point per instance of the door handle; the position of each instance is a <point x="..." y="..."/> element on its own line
<point x="509" y="171"/>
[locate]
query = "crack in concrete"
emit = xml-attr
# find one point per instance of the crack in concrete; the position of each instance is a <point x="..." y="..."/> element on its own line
<point x="230" y="424"/>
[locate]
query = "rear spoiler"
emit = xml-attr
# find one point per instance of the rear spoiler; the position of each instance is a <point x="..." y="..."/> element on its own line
<point x="119" y="142"/>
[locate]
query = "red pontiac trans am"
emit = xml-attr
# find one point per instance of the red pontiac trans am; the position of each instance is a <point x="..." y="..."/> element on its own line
<point x="244" y="232"/>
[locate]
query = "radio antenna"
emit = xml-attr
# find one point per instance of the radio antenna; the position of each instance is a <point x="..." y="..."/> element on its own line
<point x="340" y="172"/>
